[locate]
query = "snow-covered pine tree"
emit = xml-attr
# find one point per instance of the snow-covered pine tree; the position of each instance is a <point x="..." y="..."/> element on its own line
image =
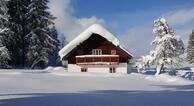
<point x="62" y="41"/>
<point x="17" y="11"/>
<point x="168" y="46"/>
<point x="41" y="43"/>
<point x="5" y="34"/>
<point x="190" y="49"/>
<point x="54" y="58"/>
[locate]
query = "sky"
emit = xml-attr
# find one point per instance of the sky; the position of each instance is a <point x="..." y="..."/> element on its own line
<point x="131" y="21"/>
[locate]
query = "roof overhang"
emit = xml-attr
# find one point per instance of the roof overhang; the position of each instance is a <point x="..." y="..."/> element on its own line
<point x="94" y="29"/>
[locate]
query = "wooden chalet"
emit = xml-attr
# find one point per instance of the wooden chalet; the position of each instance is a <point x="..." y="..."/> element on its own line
<point x="95" y="50"/>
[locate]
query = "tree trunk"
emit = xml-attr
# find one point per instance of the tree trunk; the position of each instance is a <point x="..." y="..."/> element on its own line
<point x="35" y="63"/>
<point x="159" y="69"/>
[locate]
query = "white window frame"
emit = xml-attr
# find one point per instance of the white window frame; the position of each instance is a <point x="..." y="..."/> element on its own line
<point x="84" y="70"/>
<point x="113" y="52"/>
<point x="97" y="52"/>
<point x="112" y="70"/>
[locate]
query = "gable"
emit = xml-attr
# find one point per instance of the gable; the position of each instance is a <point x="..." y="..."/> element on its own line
<point x="96" y="42"/>
<point x="94" y="29"/>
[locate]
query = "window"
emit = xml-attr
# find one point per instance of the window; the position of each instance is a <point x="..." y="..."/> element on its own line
<point x="83" y="69"/>
<point x="97" y="52"/>
<point x="106" y="52"/>
<point x="113" y="52"/>
<point x="112" y="70"/>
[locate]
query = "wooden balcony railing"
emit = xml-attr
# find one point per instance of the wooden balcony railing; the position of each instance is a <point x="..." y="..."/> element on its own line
<point x="97" y="59"/>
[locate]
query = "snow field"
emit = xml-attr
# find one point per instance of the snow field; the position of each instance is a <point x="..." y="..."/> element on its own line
<point x="60" y="88"/>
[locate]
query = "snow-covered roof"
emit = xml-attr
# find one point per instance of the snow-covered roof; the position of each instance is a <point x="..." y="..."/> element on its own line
<point x="97" y="29"/>
<point x="98" y="56"/>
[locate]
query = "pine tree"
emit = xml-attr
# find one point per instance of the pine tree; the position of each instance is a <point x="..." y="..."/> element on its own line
<point x="31" y="24"/>
<point x="17" y="11"/>
<point x="41" y="43"/>
<point x="62" y="41"/>
<point x="190" y="49"/>
<point x="5" y="35"/>
<point x="54" y="58"/>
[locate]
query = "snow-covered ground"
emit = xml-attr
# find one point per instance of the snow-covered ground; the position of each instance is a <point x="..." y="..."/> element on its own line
<point x="60" y="88"/>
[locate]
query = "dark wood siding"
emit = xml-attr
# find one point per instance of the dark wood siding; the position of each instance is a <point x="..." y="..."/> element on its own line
<point x="96" y="42"/>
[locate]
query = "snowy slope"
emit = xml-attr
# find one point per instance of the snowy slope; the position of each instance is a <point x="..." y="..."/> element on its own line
<point x="59" y="88"/>
<point x="97" y="29"/>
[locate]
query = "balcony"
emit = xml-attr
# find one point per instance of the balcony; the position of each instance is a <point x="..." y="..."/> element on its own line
<point x="97" y="60"/>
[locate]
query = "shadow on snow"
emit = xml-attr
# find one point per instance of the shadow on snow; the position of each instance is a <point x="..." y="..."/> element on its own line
<point x="179" y="97"/>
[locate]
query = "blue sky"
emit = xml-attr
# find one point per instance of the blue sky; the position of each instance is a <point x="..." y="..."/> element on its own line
<point x="127" y="13"/>
<point x="130" y="20"/>
<point x="104" y="7"/>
